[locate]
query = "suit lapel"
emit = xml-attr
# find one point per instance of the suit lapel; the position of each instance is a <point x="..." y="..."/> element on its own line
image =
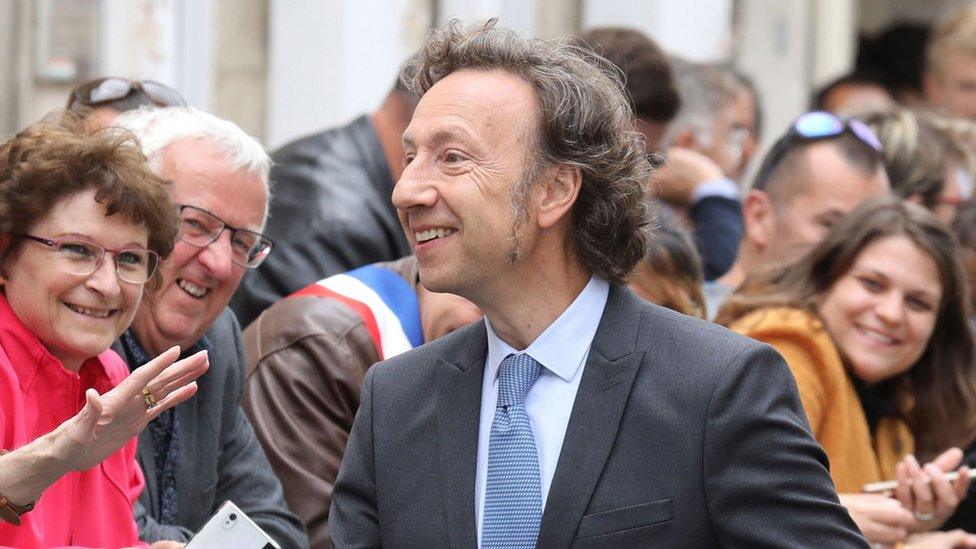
<point x="460" y="377"/>
<point x="603" y="392"/>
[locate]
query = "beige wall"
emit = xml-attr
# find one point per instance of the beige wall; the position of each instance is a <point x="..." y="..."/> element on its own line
<point x="240" y="86"/>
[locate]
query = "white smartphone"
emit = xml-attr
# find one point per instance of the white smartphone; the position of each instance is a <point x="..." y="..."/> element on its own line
<point x="230" y="527"/>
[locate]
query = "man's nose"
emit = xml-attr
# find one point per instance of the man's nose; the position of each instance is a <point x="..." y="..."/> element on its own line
<point x="415" y="187"/>
<point x="218" y="256"/>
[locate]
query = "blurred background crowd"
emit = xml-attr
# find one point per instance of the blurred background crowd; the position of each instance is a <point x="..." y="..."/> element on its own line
<point x="282" y="69"/>
<point x="814" y="190"/>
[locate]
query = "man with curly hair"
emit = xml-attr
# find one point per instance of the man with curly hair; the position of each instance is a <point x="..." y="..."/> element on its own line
<point x="575" y="414"/>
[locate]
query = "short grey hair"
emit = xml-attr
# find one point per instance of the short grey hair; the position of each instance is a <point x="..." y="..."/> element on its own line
<point x="158" y="128"/>
<point x="705" y="89"/>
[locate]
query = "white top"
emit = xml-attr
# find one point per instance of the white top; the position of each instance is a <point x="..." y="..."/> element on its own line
<point x="562" y="350"/>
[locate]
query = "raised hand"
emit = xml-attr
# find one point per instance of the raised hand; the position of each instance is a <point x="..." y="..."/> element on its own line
<point x="684" y="170"/>
<point x="108" y="421"/>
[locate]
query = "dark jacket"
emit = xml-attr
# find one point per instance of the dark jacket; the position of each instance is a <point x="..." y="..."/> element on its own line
<point x="220" y="457"/>
<point x="682" y="434"/>
<point x="306" y="358"/>
<point x="718" y="230"/>
<point x="330" y="212"/>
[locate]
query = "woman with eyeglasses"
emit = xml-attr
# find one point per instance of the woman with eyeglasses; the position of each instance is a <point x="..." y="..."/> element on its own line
<point x="873" y="324"/>
<point x="83" y="226"/>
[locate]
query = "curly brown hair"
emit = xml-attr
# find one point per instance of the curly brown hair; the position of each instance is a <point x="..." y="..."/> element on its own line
<point x="585" y="123"/>
<point x="56" y="158"/>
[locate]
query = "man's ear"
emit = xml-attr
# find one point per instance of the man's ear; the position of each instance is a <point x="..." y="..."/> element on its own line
<point x="557" y="194"/>
<point x="759" y="218"/>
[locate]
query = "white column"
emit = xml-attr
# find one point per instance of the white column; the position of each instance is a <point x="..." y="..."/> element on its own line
<point x="170" y="41"/>
<point x="834" y="39"/>
<point x="774" y="46"/>
<point x="518" y="15"/>
<point x="332" y="60"/>
<point x="700" y="30"/>
<point x="789" y="47"/>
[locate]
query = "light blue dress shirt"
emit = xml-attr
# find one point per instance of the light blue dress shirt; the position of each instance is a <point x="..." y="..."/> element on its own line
<point x="562" y="350"/>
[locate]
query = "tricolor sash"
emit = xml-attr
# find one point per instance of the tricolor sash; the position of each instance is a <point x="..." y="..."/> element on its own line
<point x="383" y="300"/>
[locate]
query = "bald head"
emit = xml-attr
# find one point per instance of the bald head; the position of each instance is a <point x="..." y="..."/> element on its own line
<point x="803" y="189"/>
<point x="796" y="164"/>
<point x="813" y="189"/>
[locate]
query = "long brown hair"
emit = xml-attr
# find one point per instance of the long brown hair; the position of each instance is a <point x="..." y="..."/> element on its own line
<point x="941" y="385"/>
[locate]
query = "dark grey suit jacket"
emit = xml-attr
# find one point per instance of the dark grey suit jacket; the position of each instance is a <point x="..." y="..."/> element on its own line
<point x="220" y="457"/>
<point x="682" y="434"/>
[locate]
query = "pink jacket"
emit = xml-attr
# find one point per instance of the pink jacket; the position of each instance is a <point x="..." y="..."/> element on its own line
<point x="90" y="508"/>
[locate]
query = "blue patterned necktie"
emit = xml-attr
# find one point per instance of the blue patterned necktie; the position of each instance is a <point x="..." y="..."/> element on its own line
<point x="513" y="494"/>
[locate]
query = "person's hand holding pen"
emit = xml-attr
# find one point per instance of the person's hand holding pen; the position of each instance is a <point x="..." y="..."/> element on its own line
<point x="920" y="500"/>
<point x="928" y="492"/>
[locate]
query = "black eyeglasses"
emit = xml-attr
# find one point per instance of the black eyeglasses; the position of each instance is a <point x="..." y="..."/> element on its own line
<point x="200" y="228"/>
<point x="133" y="265"/>
<point x="814" y="126"/>
<point x="105" y="90"/>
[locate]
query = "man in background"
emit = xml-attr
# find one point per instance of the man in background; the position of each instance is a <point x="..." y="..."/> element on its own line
<point x="331" y="210"/>
<point x="101" y="100"/>
<point x="709" y="144"/>
<point x="203" y="452"/>
<point x="804" y="186"/>
<point x="575" y="413"/>
<point x="647" y="76"/>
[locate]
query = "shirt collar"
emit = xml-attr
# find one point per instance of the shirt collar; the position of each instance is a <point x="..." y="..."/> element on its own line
<point x="30" y="358"/>
<point x="563" y="346"/>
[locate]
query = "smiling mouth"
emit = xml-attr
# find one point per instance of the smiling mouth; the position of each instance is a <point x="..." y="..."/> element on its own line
<point x="875" y="335"/>
<point x="431" y="234"/>
<point x="94" y="313"/>
<point x="195" y="291"/>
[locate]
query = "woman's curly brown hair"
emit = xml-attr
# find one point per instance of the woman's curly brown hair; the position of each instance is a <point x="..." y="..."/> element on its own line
<point x="586" y="123"/>
<point x="56" y="158"/>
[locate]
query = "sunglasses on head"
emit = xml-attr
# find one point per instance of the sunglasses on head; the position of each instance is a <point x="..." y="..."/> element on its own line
<point x="105" y="90"/>
<point x="815" y="126"/>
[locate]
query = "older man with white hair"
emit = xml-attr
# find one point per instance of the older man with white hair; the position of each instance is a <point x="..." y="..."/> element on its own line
<point x="199" y="455"/>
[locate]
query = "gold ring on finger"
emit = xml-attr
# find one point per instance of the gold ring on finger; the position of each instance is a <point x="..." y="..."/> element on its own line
<point x="148" y="398"/>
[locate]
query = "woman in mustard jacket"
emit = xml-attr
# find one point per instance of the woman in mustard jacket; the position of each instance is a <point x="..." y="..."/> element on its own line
<point x="873" y="324"/>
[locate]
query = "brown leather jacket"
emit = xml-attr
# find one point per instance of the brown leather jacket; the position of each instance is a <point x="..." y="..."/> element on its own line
<point x="306" y="358"/>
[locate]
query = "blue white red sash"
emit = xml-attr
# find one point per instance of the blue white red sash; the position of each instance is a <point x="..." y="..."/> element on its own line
<point x="385" y="302"/>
